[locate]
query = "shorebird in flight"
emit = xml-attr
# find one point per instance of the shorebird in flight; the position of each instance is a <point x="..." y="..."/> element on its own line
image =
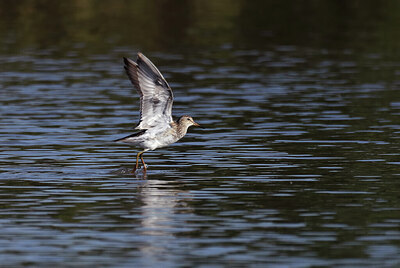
<point x="156" y="126"/>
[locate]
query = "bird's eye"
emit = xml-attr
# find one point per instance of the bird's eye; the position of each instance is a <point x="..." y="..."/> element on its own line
<point x="188" y="119"/>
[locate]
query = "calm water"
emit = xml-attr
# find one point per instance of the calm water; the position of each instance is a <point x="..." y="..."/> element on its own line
<point x="298" y="164"/>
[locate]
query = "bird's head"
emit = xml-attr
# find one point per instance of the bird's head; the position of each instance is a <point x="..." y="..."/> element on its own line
<point x="187" y="121"/>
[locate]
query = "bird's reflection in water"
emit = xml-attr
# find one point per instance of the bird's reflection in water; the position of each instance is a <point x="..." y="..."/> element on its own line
<point x="162" y="201"/>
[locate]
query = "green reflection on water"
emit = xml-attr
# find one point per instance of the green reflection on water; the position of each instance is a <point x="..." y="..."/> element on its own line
<point x="171" y="25"/>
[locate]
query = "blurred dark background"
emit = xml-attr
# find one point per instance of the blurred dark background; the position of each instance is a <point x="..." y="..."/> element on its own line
<point x="162" y="25"/>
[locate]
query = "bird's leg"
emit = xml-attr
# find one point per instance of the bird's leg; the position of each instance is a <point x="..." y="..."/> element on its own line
<point x="144" y="165"/>
<point x="137" y="162"/>
<point x="140" y="154"/>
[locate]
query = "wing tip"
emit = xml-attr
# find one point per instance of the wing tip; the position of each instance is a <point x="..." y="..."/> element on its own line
<point x="140" y="56"/>
<point x="128" y="62"/>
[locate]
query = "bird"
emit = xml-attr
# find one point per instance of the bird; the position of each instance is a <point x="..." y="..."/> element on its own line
<point x="156" y="126"/>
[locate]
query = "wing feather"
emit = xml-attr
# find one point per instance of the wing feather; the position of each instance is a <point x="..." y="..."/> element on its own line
<point x="156" y="97"/>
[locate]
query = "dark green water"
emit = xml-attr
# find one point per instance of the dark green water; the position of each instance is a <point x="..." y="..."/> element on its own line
<point x="298" y="164"/>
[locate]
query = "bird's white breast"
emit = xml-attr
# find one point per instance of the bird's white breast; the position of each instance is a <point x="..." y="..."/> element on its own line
<point x="160" y="138"/>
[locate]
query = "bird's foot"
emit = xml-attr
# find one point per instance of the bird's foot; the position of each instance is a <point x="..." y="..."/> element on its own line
<point x="143" y="170"/>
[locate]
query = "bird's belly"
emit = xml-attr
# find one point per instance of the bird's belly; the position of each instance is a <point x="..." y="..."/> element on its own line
<point x="160" y="141"/>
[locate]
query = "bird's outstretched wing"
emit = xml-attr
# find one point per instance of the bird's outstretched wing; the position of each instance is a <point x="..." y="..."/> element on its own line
<point x="156" y="96"/>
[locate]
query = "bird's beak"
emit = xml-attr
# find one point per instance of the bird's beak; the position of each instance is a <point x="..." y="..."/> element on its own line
<point x="196" y="125"/>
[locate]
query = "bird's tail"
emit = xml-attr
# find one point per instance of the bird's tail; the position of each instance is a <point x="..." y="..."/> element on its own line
<point x="134" y="135"/>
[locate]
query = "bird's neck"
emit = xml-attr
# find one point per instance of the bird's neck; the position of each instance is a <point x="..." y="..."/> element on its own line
<point x="181" y="129"/>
